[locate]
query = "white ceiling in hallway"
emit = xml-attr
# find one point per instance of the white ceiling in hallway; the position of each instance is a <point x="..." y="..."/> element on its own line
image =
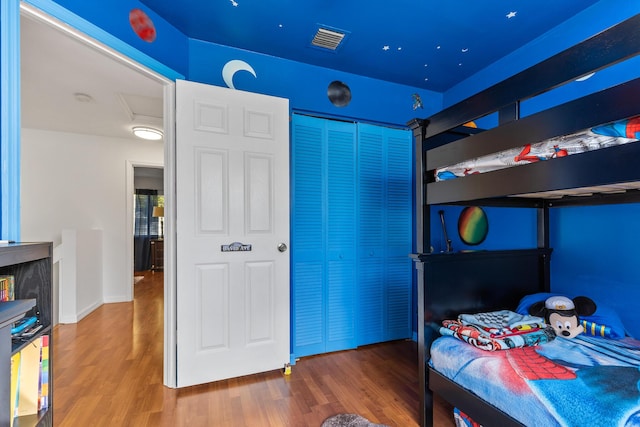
<point x="68" y="86"/>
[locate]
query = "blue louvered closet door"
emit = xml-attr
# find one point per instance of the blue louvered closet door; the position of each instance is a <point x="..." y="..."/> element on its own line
<point x="323" y="232"/>
<point x="385" y="222"/>
<point x="326" y="220"/>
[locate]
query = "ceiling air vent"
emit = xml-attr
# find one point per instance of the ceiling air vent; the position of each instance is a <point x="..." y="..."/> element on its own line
<point x="328" y="39"/>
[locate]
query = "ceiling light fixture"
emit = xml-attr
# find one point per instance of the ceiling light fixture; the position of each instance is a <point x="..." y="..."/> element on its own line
<point x="147" y="133"/>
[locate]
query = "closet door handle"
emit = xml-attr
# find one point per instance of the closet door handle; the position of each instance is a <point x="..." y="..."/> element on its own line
<point x="282" y="247"/>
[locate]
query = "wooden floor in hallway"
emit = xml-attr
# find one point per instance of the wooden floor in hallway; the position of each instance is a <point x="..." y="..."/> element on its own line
<point x="107" y="371"/>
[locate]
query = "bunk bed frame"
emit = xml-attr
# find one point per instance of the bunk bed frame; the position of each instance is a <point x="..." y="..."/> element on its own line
<point x="441" y="140"/>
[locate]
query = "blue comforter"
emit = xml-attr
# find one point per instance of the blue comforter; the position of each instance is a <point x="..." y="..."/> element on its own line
<point x="583" y="381"/>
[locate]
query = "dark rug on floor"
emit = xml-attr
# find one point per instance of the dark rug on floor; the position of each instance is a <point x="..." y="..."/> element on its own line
<point x="349" y="420"/>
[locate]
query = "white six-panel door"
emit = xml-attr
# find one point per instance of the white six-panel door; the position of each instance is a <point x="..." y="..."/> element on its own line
<point x="232" y="227"/>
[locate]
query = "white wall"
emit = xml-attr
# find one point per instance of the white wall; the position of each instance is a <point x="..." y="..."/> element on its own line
<point x="81" y="273"/>
<point x="72" y="181"/>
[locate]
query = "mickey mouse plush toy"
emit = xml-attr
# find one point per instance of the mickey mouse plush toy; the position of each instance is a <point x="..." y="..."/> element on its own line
<point x="561" y="313"/>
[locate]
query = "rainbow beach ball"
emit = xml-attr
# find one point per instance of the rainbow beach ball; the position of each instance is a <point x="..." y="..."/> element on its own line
<point x="473" y="225"/>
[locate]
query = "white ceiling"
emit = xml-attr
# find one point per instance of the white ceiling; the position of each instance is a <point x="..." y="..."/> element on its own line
<point x="56" y="66"/>
<point x="58" y="69"/>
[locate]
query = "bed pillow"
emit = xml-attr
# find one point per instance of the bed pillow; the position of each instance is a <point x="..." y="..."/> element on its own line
<point x="604" y="322"/>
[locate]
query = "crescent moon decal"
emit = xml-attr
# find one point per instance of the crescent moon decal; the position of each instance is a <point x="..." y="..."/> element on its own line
<point x="231" y="68"/>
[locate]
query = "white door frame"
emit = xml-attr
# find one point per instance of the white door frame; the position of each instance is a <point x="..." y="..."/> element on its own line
<point x="52" y="14"/>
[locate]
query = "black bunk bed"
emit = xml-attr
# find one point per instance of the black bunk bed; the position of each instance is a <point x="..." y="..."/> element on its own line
<point x="441" y="140"/>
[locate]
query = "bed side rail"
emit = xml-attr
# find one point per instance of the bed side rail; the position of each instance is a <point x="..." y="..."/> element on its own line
<point x="611" y="104"/>
<point x="616" y="44"/>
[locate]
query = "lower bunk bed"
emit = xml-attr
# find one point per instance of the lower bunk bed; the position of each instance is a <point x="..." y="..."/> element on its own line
<point x="565" y="382"/>
<point x="591" y="379"/>
<point x="466" y="282"/>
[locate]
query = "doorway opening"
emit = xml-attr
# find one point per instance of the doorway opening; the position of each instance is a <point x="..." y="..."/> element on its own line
<point x="148" y="228"/>
<point x="88" y="94"/>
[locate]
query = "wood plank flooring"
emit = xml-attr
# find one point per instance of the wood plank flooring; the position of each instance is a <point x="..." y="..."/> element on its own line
<point x="108" y="372"/>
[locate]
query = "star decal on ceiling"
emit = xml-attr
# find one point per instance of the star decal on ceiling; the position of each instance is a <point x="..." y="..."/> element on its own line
<point x="511" y="15"/>
<point x="234" y="3"/>
<point x="385" y="47"/>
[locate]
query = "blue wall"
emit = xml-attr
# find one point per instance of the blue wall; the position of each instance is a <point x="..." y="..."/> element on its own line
<point x="306" y="85"/>
<point x="596" y="254"/>
<point x="509" y="228"/>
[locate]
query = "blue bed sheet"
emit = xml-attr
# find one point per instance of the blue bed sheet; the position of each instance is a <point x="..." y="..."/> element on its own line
<point x="566" y="382"/>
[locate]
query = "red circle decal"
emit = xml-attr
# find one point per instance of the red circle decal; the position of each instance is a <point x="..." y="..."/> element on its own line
<point x="142" y="25"/>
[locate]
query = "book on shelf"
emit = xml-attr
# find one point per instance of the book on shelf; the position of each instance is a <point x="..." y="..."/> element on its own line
<point x="7" y="288"/>
<point x="43" y="392"/>
<point x="30" y="378"/>
<point x="15" y="375"/>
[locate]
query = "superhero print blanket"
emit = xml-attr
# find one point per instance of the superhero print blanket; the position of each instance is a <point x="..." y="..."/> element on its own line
<point x="617" y="133"/>
<point x="498" y="330"/>
<point x="564" y="382"/>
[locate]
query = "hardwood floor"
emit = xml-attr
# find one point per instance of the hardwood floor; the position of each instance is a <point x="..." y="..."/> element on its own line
<point x="108" y="372"/>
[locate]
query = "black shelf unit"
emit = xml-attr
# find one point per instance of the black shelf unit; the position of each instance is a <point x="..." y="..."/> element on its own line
<point x="31" y="266"/>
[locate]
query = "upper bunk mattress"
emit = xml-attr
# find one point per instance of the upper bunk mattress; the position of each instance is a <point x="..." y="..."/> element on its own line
<point x="617" y="133"/>
<point x="566" y="382"/>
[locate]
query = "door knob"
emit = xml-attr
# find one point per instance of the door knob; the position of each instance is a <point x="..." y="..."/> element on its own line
<point x="282" y="247"/>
